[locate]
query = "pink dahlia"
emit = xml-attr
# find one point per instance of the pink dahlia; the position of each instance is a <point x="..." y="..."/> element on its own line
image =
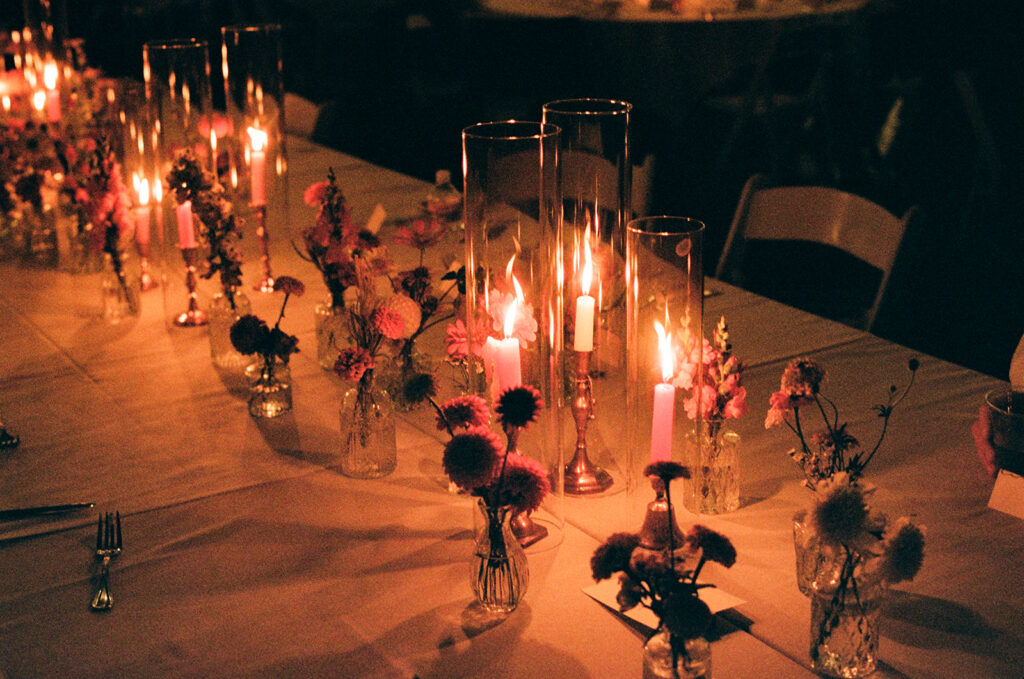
<point x="472" y="458"/>
<point x="388" y="322"/>
<point x="464" y="412"/>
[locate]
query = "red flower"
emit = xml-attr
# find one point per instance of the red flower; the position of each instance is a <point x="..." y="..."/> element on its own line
<point x="315" y="193"/>
<point x="420" y="234"/>
<point x="388" y="322"/>
<point x="289" y="286"/>
<point x="353" y="362"/>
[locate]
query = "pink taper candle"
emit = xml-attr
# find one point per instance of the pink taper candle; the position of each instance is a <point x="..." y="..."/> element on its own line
<point x="186" y="230"/>
<point x="663" y="412"/>
<point x="257" y="166"/>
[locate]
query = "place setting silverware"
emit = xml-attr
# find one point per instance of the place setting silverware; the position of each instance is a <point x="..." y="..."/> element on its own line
<point x="43" y="510"/>
<point x="108" y="547"/>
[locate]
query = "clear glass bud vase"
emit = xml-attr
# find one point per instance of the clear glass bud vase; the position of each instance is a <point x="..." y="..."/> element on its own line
<point x="368" y="447"/>
<point x="500" y="572"/>
<point x="818" y="566"/>
<point x="692" y="662"/>
<point x="270" y="394"/>
<point x="718" y="478"/>
<point x="331" y="336"/>
<point x="119" y="289"/>
<point x="844" y="626"/>
<point x="222" y="315"/>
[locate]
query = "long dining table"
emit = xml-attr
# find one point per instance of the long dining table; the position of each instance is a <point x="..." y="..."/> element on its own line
<point x="248" y="554"/>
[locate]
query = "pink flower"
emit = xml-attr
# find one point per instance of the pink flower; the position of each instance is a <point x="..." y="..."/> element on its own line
<point x="464" y="412"/>
<point x="388" y="322"/>
<point x="525" y="483"/>
<point x="353" y="362"/>
<point x="315" y="193"/>
<point x="420" y="234"/>
<point x="780" y="406"/>
<point x="708" y="401"/>
<point x="457" y="342"/>
<point x="737" y="405"/>
<point x="525" y="326"/>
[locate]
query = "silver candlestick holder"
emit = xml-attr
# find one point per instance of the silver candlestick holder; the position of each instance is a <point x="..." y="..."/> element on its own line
<point x="193" y="316"/>
<point x="266" y="283"/>
<point x="583" y="477"/>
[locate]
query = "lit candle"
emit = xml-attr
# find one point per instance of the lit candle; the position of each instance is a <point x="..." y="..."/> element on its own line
<point x="186" y="230"/>
<point x="664" y="401"/>
<point x="507" y="365"/>
<point x="39" y="101"/>
<point x="257" y="161"/>
<point x="50" y="73"/>
<point x="213" y="151"/>
<point x="583" y="339"/>
<point x="142" y="212"/>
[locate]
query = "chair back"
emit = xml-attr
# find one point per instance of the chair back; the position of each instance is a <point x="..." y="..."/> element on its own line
<point x="817" y="214"/>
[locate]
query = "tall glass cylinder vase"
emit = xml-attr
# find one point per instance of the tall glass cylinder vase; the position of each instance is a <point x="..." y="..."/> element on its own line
<point x="178" y="99"/>
<point x="251" y="157"/>
<point x="596" y="179"/>
<point x="514" y="276"/>
<point x="664" y="305"/>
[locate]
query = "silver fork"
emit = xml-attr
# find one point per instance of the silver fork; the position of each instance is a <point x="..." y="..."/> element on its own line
<point x="108" y="546"/>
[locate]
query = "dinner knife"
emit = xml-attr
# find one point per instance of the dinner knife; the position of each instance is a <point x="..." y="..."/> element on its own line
<point x="47" y="510"/>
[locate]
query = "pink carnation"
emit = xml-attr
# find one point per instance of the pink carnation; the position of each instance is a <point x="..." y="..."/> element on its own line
<point x="388" y="322"/>
<point x="464" y="412"/>
<point x="353" y="362"/>
<point x="456" y="340"/>
<point x="737" y="405"/>
<point x="315" y="193"/>
<point x="780" y="406"/>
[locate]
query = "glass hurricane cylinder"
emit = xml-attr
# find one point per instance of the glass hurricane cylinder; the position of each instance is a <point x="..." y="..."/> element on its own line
<point x="513" y="311"/>
<point x="596" y="179"/>
<point x="368" y="441"/>
<point x="664" y="304"/>
<point x="178" y="99"/>
<point x="694" y="662"/>
<point x="250" y="145"/>
<point x="223" y="313"/>
<point x="499" y="572"/>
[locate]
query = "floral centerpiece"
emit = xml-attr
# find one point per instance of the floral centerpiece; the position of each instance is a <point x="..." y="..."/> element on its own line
<point x="504" y="482"/>
<point x="712" y="375"/>
<point x="871" y="553"/>
<point x="270" y="394"/>
<point x="834" y="449"/>
<point x="666" y="582"/>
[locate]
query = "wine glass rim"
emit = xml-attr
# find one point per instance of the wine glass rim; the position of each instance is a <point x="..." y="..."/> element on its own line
<point x="175" y="43"/>
<point x="579" y="106"/>
<point x="637" y="225"/>
<point x="538" y="130"/>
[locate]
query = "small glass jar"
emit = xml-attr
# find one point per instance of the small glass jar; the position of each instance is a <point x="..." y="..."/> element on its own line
<point x="119" y="291"/>
<point x="270" y="393"/>
<point x="693" y="663"/>
<point x="717" y="481"/>
<point x="222" y="315"/>
<point x="499" y="571"/>
<point x="844" y="626"/>
<point x="368" y="444"/>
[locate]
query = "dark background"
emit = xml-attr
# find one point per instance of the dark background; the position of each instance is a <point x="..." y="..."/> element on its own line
<point x="399" y="79"/>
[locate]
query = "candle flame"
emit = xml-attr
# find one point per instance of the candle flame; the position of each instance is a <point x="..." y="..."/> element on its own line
<point x="39" y="100"/>
<point x="158" y="191"/>
<point x="213" y="142"/>
<point x="665" y="354"/>
<point x="50" y="73"/>
<point x="258" y="138"/>
<point x="143" y="190"/>
<point x="7" y="104"/>
<point x="510" y="318"/>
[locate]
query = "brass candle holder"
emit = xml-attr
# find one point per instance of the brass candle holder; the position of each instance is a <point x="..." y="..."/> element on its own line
<point x="583" y="477"/>
<point x="526" y="530"/>
<point x="146" y="280"/>
<point x="193" y="316"/>
<point x="266" y="284"/>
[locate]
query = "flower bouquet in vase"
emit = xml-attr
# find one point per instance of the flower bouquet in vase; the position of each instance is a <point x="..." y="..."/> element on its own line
<point x="658" y="568"/>
<point x="218" y="234"/>
<point x="270" y="391"/>
<point x="713" y="376"/>
<point x="505" y="483"/>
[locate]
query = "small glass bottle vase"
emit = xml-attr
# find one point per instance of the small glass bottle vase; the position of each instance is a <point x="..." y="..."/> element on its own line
<point x="119" y="291"/>
<point x="818" y="566"/>
<point x="499" y="571"/>
<point x="844" y="627"/>
<point x="368" y="446"/>
<point x="331" y="337"/>
<point x="717" y="486"/>
<point x="693" y="661"/>
<point x="270" y="393"/>
<point x="222" y="316"/>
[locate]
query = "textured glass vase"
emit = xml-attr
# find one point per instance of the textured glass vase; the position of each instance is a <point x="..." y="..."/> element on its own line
<point x="500" y="573"/>
<point x="331" y="335"/>
<point x="818" y="567"/>
<point x="368" y="446"/>
<point x="718" y="480"/>
<point x="222" y="316"/>
<point x="844" y="627"/>
<point x="270" y="394"/>
<point x="693" y="663"/>
<point x="119" y="291"/>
